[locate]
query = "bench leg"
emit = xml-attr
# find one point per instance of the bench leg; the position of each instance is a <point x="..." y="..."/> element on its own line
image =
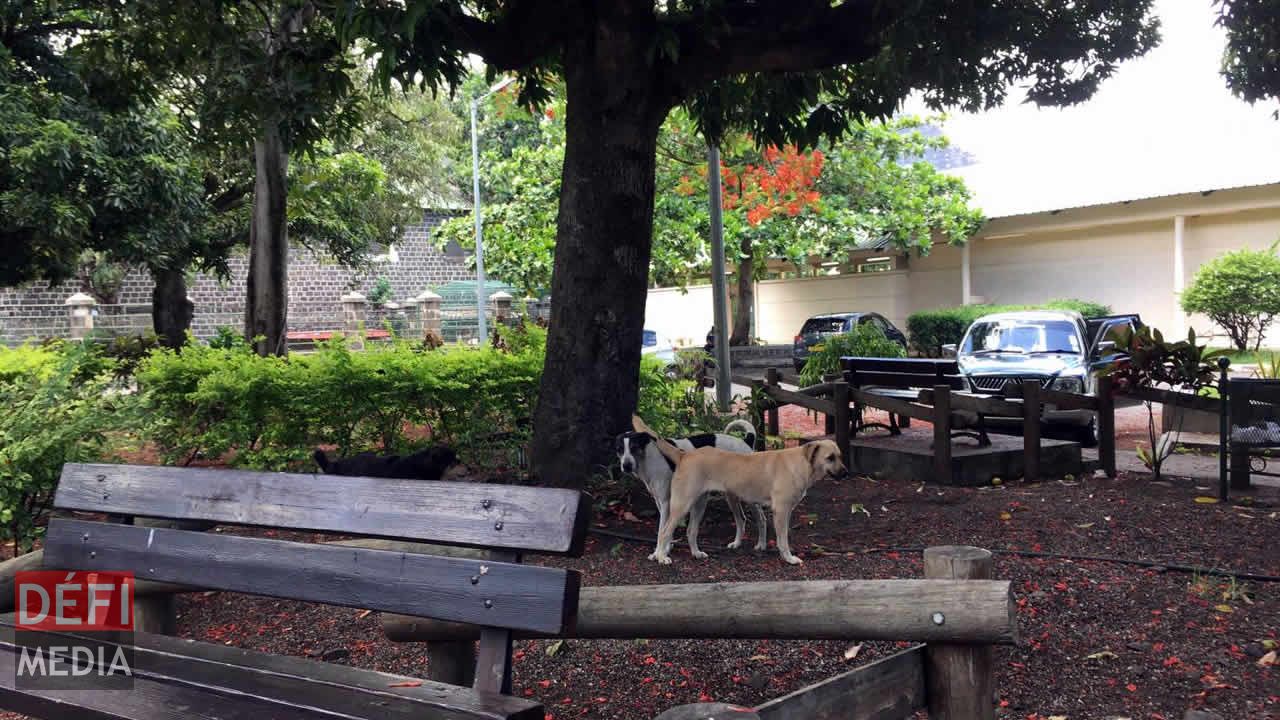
<point x="493" y="660"/>
<point x="452" y="662"/>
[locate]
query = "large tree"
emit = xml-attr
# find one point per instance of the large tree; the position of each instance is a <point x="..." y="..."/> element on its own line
<point x="788" y="71"/>
<point x="1251" y="61"/>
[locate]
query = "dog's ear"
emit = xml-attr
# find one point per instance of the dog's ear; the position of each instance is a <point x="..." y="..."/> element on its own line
<point x="811" y="452"/>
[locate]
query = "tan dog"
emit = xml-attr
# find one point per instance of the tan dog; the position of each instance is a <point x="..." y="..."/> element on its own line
<point x="779" y="478"/>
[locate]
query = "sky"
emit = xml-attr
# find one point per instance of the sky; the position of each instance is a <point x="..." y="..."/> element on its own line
<point x="1163" y="124"/>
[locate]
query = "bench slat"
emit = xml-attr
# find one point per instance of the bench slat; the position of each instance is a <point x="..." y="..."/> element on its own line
<point x="905" y="380"/>
<point x="493" y="516"/>
<point x="524" y="597"/>
<point x="182" y="679"/>
<point x="921" y="366"/>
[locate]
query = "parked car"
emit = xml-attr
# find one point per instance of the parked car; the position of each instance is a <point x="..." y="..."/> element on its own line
<point x="1061" y="349"/>
<point x="820" y="327"/>
<point x="659" y="347"/>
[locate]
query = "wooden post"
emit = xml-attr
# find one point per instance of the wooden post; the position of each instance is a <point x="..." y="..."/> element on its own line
<point x="840" y="395"/>
<point x="1106" y="426"/>
<point x="452" y="661"/>
<point x="1030" y="430"/>
<point x="958" y="678"/>
<point x="771" y="415"/>
<point x="493" y="663"/>
<point x="1224" y="428"/>
<point x="1238" y="404"/>
<point x="942" y="433"/>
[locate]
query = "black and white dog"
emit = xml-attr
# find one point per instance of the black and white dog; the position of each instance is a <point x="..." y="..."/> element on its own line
<point x="429" y="464"/>
<point x="639" y="456"/>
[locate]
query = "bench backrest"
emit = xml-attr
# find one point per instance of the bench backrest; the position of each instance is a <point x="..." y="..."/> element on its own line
<point x="902" y="373"/>
<point x="507" y="519"/>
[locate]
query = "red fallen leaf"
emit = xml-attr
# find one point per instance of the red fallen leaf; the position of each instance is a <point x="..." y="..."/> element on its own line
<point x="1131" y="687"/>
<point x="650" y="660"/>
<point x="544" y="683"/>
<point x="602" y="699"/>
<point x="1171" y="661"/>
<point x="528" y="692"/>
<point x="406" y="683"/>
<point x="703" y="697"/>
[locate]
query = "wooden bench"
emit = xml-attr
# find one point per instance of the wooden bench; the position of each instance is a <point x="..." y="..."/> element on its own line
<point x="175" y="678"/>
<point x="902" y="379"/>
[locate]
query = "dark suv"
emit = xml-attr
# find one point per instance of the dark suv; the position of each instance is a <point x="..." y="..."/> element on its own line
<point x="820" y="327"/>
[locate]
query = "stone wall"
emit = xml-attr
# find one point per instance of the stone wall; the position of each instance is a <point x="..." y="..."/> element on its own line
<point x="315" y="286"/>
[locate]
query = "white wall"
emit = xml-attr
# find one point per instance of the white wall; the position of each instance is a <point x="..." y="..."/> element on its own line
<point x="1086" y="253"/>
<point x="683" y="317"/>
<point x="782" y="306"/>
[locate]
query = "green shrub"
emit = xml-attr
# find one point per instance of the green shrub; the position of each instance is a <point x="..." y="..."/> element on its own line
<point x="381" y="291"/>
<point x="931" y="329"/>
<point x="56" y="411"/>
<point x="865" y="340"/>
<point x="271" y="412"/>
<point x="1240" y="291"/>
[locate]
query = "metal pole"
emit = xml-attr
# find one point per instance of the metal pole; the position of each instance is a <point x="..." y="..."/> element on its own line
<point x="481" y="299"/>
<point x="720" y="295"/>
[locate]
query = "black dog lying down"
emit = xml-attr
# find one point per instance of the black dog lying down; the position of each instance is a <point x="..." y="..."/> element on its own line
<point x="428" y="464"/>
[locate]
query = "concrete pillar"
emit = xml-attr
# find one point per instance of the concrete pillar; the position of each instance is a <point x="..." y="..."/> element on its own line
<point x="500" y="306"/>
<point x="1179" y="277"/>
<point x="429" y="304"/>
<point x="396" y="317"/>
<point x="353" y="315"/>
<point x="80" y="310"/>
<point x="413" y="317"/>
<point x="966" y="274"/>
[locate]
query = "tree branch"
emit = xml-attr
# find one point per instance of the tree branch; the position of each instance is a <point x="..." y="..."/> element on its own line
<point x="777" y="36"/>
<point x="526" y="32"/>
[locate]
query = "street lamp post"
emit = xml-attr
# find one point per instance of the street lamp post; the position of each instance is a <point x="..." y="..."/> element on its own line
<point x="481" y="299"/>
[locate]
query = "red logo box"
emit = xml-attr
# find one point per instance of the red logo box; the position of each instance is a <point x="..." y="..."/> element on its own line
<point x="74" y="601"/>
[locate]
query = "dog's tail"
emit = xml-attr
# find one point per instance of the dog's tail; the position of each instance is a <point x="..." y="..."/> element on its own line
<point x="672" y="453"/>
<point x="747" y="428"/>
<point x="321" y="459"/>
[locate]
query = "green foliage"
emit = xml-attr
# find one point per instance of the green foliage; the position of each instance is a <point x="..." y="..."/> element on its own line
<point x="380" y="292"/>
<point x="866" y="340"/>
<point x="271" y="411"/>
<point x="675" y="406"/>
<point x="1156" y="362"/>
<point x="1249" y="59"/>
<point x="1240" y="292"/>
<point x="931" y="329"/>
<point x="1268" y="365"/>
<point x="57" y="410"/>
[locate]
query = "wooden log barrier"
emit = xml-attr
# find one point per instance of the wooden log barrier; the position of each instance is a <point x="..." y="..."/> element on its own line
<point x="976" y="611"/>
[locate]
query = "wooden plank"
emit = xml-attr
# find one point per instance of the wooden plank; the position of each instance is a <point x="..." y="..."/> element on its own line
<point x="942" y="471"/>
<point x="978" y="611"/>
<point x="1181" y="399"/>
<point x="891" y="688"/>
<point x="208" y="680"/>
<point x="1063" y="400"/>
<point x="919" y="366"/>
<point x="791" y="397"/>
<point x="489" y="593"/>
<point x="960" y="678"/>
<point x="1106" y="420"/>
<point x="1030" y="430"/>
<point x="498" y="516"/>
<point x="896" y="406"/>
<point x="902" y="380"/>
<point x="984" y="404"/>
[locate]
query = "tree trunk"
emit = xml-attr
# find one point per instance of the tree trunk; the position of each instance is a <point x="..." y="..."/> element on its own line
<point x="171" y="311"/>
<point x="600" y="279"/>
<point x="746" y="295"/>
<point x="267" y="295"/>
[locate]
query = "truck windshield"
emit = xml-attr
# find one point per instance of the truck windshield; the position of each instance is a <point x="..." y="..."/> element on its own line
<point x="1022" y="336"/>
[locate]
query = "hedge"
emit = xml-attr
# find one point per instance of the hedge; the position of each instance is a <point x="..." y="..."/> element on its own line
<point x="931" y="329"/>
